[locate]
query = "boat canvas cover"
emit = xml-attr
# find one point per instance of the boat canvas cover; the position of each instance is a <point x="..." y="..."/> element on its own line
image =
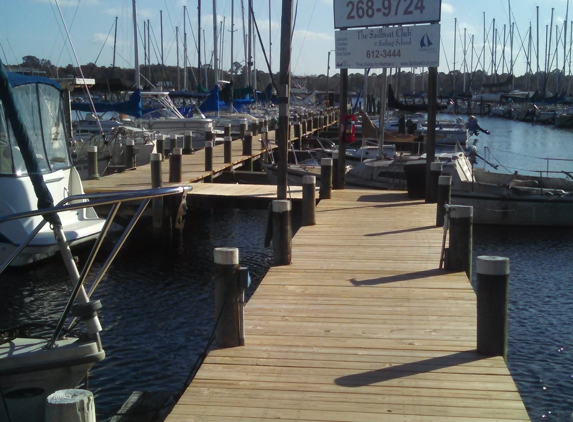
<point x="132" y="107"/>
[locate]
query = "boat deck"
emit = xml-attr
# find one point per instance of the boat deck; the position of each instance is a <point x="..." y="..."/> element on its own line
<point x="362" y="326"/>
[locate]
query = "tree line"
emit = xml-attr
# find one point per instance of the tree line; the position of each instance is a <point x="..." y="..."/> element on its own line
<point x="450" y="84"/>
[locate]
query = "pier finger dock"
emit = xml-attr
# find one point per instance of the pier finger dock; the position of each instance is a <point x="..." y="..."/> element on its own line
<point x="362" y="326"/>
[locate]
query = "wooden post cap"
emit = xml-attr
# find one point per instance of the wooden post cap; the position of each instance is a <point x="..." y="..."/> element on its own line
<point x="227" y="139"/>
<point x="92" y="148"/>
<point x="492" y="265"/>
<point x="326" y="162"/>
<point x="226" y="256"/>
<point x="309" y="180"/>
<point x="445" y="180"/>
<point x="335" y="155"/>
<point x="130" y="142"/>
<point x="281" y="205"/>
<point x="177" y="151"/>
<point x="156" y="156"/>
<point x="209" y="144"/>
<point x="461" y="211"/>
<point x="189" y="133"/>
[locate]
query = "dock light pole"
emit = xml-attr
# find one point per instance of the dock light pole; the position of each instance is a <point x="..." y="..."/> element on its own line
<point x="327" y="75"/>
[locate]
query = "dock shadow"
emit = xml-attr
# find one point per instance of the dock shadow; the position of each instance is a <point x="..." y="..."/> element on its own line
<point x="416" y="275"/>
<point x="415" y="229"/>
<point x="390" y="197"/>
<point x="408" y="369"/>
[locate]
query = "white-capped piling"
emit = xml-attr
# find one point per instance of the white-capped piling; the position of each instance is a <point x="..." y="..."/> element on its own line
<point x="281" y="231"/>
<point x="175" y="166"/>
<point x="308" y="200"/>
<point x="492" y="291"/>
<point x="188" y="143"/>
<point x="156" y="182"/>
<point x="227" y="153"/>
<point x="160" y="146"/>
<point x="227" y="293"/>
<point x="72" y="405"/>
<point x="92" y="162"/>
<point x="131" y="152"/>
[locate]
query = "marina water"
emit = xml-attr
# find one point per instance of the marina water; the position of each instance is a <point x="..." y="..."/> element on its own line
<point x="158" y="298"/>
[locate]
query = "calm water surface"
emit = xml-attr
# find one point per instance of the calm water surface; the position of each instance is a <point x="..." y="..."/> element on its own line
<point x="158" y="297"/>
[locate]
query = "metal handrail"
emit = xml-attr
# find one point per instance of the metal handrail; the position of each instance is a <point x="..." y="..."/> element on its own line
<point x="115" y="199"/>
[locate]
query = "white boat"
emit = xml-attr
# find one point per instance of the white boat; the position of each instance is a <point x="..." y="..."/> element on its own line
<point x="510" y="199"/>
<point x="49" y="147"/>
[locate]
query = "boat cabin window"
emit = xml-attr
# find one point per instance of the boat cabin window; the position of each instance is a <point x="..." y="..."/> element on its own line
<point x="40" y="107"/>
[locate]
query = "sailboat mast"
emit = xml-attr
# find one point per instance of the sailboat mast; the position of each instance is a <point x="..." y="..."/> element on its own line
<point x="537" y="49"/>
<point x="454" y="73"/>
<point x="199" y="67"/>
<point x="244" y="43"/>
<point x="114" y="45"/>
<point x="177" y="46"/>
<point x="232" y="52"/>
<point x="270" y="42"/>
<point x="565" y="24"/>
<point x="215" y="41"/>
<point x="161" y="22"/>
<point x="250" y="43"/>
<point x="184" y="48"/>
<point x="136" y="57"/>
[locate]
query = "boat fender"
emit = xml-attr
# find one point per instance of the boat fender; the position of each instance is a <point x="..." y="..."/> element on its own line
<point x="86" y="311"/>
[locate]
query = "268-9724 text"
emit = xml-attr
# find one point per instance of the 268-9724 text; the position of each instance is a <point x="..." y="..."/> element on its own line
<point x="382" y="54"/>
<point x="360" y="9"/>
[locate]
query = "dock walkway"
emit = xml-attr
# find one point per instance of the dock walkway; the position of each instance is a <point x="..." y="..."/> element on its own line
<point x="362" y="326"/>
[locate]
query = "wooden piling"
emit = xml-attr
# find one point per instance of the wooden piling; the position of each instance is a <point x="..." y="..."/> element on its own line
<point x="492" y="293"/>
<point x="227" y="292"/>
<point x="242" y="130"/>
<point x="435" y="172"/>
<point x="172" y="142"/>
<point x="308" y="200"/>
<point x="209" y="159"/>
<point x="227" y="158"/>
<point x="73" y="405"/>
<point x="160" y="146"/>
<point x="335" y="181"/>
<point x="248" y="150"/>
<point x="175" y="166"/>
<point x="156" y="182"/>
<point x="297" y="143"/>
<point x="325" y="191"/>
<point x="281" y="232"/>
<point x="92" y="162"/>
<point x="209" y="136"/>
<point x="459" y="257"/>
<point x="130" y="153"/>
<point x="444" y="197"/>
<point x="188" y="143"/>
<point x="227" y="130"/>
<point x="155" y="162"/>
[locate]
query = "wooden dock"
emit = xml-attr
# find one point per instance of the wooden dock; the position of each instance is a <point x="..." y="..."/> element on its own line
<point x="192" y="170"/>
<point x="362" y="326"/>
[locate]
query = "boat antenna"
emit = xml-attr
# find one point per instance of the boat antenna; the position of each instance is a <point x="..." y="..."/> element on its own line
<point x="90" y="100"/>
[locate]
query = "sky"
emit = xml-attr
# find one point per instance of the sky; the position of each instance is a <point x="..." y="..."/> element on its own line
<point x="35" y="28"/>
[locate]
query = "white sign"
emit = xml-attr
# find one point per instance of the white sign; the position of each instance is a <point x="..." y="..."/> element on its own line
<point x="360" y="13"/>
<point x="397" y="46"/>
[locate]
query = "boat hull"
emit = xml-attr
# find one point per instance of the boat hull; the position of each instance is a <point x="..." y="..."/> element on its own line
<point x="29" y="373"/>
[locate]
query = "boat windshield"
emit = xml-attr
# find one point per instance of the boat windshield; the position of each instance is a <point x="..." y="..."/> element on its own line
<point x="41" y="110"/>
<point x="162" y="113"/>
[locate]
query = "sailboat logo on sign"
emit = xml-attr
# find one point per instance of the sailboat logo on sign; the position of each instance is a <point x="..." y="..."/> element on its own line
<point x="426" y="43"/>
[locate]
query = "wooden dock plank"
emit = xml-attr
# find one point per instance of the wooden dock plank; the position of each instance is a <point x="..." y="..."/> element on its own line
<point x="362" y="326"/>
